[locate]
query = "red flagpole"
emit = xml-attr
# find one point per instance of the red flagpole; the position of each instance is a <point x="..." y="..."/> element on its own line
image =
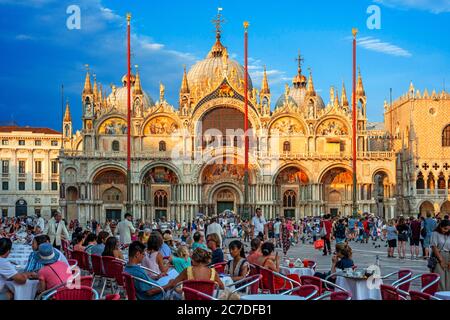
<point x="128" y="113"/>
<point x="246" y="177"/>
<point x="354" y="124"/>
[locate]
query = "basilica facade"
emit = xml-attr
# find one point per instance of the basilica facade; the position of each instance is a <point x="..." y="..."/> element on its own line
<point x="188" y="158"/>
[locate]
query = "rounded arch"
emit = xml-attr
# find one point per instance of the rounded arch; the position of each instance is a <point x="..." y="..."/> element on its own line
<point x="328" y="125"/>
<point x="111" y="124"/>
<point x="305" y="176"/>
<point x="112" y="195"/>
<point x="425" y="207"/>
<point x="153" y="165"/>
<point x="445" y="208"/>
<point x="105" y="166"/>
<point x="334" y="166"/>
<point x="386" y="172"/>
<point x="201" y="110"/>
<point x="165" y="124"/>
<point x="254" y="168"/>
<point x="160" y="175"/>
<point x="21" y="207"/>
<point x="295" y="128"/>
<point x="221" y="185"/>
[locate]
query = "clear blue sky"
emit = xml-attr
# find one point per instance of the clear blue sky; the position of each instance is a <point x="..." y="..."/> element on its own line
<point x="39" y="53"/>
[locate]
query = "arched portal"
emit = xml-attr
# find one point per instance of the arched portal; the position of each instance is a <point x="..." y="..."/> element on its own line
<point x="337" y="190"/>
<point x="159" y="188"/>
<point x="292" y="189"/>
<point x="381" y="188"/>
<point x="110" y="188"/>
<point x="445" y="209"/>
<point x="426" y="207"/>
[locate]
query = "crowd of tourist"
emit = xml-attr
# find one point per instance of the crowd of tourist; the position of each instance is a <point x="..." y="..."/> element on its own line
<point x="192" y="248"/>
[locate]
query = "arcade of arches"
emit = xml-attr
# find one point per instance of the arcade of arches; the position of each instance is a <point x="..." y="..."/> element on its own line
<point x="294" y="193"/>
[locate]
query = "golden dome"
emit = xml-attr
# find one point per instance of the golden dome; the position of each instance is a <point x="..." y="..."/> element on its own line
<point x="125" y="79"/>
<point x="206" y="75"/>
<point x="119" y="96"/>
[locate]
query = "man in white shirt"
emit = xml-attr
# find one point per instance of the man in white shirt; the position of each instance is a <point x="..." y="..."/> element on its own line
<point x="126" y="229"/>
<point x="214" y="227"/>
<point x="259" y="225"/>
<point x="56" y="230"/>
<point x="164" y="225"/>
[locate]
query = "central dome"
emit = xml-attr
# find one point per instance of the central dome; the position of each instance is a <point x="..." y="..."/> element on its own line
<point x="119" y="96"/>
<point x="206" y="75"/>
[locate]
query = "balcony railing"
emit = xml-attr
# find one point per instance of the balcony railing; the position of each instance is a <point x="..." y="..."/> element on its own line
<point x="428" y="192"/>
<point x="211" y="153"/>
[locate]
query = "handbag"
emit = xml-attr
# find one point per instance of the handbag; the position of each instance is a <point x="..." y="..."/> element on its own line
<point x="432" y="263"/>
<point x="319" y="244"/>
<point x="323" y="231"/>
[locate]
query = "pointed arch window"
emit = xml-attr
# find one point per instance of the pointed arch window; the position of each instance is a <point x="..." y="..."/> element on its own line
<point x="286" y="146"/>
<point x="446" y="136"/>
<point x="420" y="183"/>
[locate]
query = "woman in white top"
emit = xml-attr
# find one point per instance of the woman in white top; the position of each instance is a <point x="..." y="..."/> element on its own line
<point x="440" y="244"/>
<point x="153" y="259"/>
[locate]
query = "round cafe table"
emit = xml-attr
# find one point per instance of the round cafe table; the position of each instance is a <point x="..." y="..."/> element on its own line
<point x="360" y="289"/>
<point x="273" y="297"/>
<point x="443" y="295"/>
<point x="298" y="271"/>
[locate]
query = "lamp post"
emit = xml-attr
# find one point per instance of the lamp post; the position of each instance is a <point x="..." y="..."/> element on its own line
<point x="354" y="131"/>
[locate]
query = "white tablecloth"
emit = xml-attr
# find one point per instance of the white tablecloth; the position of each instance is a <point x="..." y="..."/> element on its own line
<point x="443" y="295"/>
<point x="361" y="289"/>
<point x="298" y="271"/>
<point x="26" y="291"/>
<point x="171" y="274"/>
<point x="19" y="255"/>
<point x="275" y="297"/>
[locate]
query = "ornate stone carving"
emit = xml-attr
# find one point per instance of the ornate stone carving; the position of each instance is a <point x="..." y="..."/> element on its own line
<point x="288" y="126"/>
<point x="332" y="127"/>
<point x="161" y="125"/>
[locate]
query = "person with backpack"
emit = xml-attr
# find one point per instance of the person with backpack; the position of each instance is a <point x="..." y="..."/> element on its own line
<point x="339" y="231"/>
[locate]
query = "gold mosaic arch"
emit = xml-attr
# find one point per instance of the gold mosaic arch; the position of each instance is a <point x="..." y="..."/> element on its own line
<point x="224" y="102"/>
<point x="113" y="126"/>
<point x="332" y="126"/>
<point x="161" y="125"/>
<point x="287" y="125"/>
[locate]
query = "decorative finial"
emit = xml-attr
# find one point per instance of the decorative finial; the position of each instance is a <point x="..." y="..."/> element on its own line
<point x="354" y="32"/>
<point x="218" y="21"/>
<point x="299" y="61"/>
<point x="128" y="17"/>
<point x="246" y="25"/>
<point x="87" y="67"/>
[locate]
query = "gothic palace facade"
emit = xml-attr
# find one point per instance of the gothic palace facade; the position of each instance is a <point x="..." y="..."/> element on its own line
<point x="189" y="159"/>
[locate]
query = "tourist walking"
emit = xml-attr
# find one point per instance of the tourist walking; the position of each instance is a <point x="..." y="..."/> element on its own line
<point x="440" y="246"/>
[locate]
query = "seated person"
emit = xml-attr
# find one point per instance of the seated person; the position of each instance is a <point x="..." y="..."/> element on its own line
<point x="255" y="253"/>
<point x="342" y="259"/>
<point x="79" y="243"/>
<point x="8" y="271"/>
<point x="100" y="246"/>
<point x="199" y="270"/>
<point x="112" y="249"/>
<point x="33" y="264"/>
<point x="199" y="240"/>
<point x="153" y="259"/>
<point x="144" y="291"/>
<point x="237" y="268"/>
<point x="182" y="260"/>
<point x="53" y="272"/>
<point x="271" y="261"/>
<point x="213" y="243"/>
<point x="89" y="242"/>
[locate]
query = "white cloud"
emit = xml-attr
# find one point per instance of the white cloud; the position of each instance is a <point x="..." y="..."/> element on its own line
<point x="377" y="45"/>
<point x="434" y="6"/>
<point x="256" y="70"/>
<point x="24" y="37"/>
